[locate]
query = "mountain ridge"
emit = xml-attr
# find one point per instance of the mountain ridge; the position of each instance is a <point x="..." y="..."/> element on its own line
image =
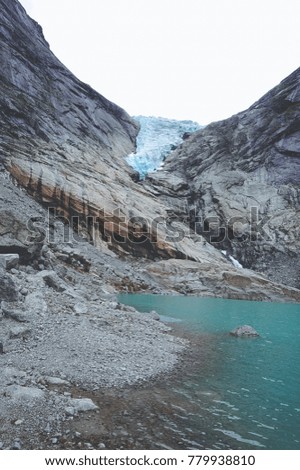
<point x="66" y="146"/>
<point x="248" y="161"/>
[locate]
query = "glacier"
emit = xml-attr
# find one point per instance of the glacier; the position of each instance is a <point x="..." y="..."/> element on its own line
<point x="156" y="139"/>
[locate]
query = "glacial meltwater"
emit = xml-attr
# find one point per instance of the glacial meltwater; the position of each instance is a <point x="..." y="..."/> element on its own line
<point x="239" y="393"/>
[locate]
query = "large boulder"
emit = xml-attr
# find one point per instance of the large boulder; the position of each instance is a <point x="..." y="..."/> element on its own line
<point x="244" y="331"/>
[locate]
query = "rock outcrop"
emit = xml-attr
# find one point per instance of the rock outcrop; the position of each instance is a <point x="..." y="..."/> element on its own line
<point x="245" y="331"/>
<point x="62" y="155"/>
<point x="237" y="182"/>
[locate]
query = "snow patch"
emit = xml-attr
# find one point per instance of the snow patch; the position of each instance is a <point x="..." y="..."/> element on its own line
<point x="235" y="262"/>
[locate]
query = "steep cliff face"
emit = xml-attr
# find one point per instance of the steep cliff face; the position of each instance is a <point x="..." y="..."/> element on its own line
<point x="238" y="182"/>
<point x="60" y="139"/>
<point x="65" y="145"/>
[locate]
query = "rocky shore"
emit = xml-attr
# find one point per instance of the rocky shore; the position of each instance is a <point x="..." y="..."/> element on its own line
<point x="59" y="336"/>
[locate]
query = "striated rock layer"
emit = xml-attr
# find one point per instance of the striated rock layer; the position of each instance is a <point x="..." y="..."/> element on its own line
<point x="238" y="182"/>
<point x="63" y="144"/>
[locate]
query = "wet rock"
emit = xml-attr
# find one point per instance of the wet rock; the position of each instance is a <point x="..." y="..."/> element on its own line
<point x="244" y="331"/>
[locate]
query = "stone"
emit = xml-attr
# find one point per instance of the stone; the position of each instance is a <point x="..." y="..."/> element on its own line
<point x="17" y="445"/>
<point x="14" y="314"/>
<point x="80" y="308"/>
<point x="9" y="261"/>
<point x="56" y="381"/>
<point x="28" y="394"/>
<point x="35" y="303"/>
<point x="18" y="422"/>
<point x="244" y="331"/>
<point x="19" y="332"/>
<point x="82" y="404"/>
<point x="154" y="315"/>
<point x="51" y="279"/>
<point x="8" y="288"/>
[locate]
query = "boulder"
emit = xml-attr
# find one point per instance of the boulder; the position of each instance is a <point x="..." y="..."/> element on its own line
<point x="8" y="289"/>
<point x="82" y="404"/>
<point x="28" y="394"/>
<point x="9" y="261"/>
<point x="244" y="331"/>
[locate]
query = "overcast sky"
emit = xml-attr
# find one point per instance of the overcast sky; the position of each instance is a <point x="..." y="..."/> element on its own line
<point x="185" y="59"/>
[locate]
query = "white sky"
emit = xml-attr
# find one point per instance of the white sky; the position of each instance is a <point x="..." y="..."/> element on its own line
<point x="185" y="59"/>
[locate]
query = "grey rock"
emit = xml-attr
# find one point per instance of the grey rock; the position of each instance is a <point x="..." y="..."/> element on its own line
<point x="28" y="394"/>
<point x="19" y="332"/>
<point x="51" y="279"/>
<point x="24" y="291"/>
<point x="71" y="156"/>
<point x="70" y="411"/>
<point x="154" y="315"/>
<point x="8" y="288"/>
<point x="80" y="308"/>
<point x="9" y="261"/>
<point x="18" y="422"/>
<point x="237" y="182"/>
<point x="15" y="315"/>
<point x="11" y="375"/>
<point x="244" y="331"/>
<point x="83" y="404"/>
<point x="35" y="303"/>
<point x="56" y="381"/>
<point x="17" y="445"/>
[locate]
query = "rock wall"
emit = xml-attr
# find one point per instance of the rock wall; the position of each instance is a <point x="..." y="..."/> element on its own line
<point x="237" y="182"/>
<point x="62" y="145"/>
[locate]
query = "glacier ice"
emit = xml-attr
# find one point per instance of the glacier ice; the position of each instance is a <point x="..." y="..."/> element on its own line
<point x="156" y="139"/>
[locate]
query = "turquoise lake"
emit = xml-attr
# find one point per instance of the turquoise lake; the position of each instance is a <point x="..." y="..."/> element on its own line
<point x="241" y="393"/>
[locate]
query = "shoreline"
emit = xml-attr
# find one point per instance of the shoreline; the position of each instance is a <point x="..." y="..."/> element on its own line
<point x="60" y="342"/>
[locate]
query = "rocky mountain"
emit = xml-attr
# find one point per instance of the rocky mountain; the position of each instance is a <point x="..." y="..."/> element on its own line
<point x="77" y="226"/>
<point x="238" y="182"/>
<point x="64" y="146"/>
